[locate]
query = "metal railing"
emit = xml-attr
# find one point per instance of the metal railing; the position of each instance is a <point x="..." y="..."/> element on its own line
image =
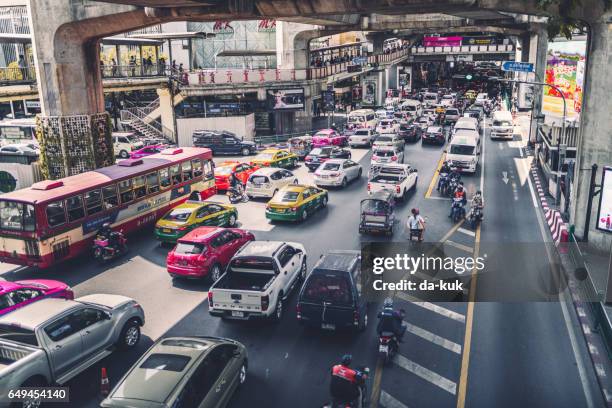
<point x="553" y="134"/>
<point x="17" y="75"/>
<point x="134" y="71"/>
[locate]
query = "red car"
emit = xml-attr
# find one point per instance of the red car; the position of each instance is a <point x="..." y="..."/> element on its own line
<point x="205" y="252"/>
<point x="147" y="151"/>
<point x="224" y="170"/>
<point x="328" y="137"/>
<point x="14" y="295"/>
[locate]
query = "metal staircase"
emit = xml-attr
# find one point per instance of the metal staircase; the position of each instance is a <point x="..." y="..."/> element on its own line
<point x="144" y="121"/>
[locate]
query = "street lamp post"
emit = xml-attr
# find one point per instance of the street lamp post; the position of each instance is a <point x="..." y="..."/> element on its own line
<point x="558" y="189"/>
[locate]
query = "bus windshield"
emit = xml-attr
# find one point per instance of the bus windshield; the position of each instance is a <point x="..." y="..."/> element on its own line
<point x="16" y="216"/>
<point x="356" y="119"/>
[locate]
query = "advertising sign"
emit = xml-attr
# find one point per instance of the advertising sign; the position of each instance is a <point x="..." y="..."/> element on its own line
<point x="329" y="101"/>
<point x="516" y="66"/>
<point x="479" y="40"/>
<point x="442" y="41"/>
<point x="565" y="65"/>
<point x="285" y="99"/>
<point x="604" y="215"/>
<point x="369" y="92"/>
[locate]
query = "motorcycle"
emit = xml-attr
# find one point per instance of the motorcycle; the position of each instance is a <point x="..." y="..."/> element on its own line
<point x="388" y="346"/>
<point x="104" y="251"/>
<point x="451" y="186"/>
<point x="457" y="210"/>
<point x="236" y="195"/>
<point x="475" y="216"/>
<point x="360" y="402"/>
<point x="443" y="183"/>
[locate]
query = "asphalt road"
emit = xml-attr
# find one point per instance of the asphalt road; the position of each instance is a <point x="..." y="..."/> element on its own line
<point x="483" y="355"/>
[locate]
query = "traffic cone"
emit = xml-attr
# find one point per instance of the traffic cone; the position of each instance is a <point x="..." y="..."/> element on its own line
<point x="104" y="384"/>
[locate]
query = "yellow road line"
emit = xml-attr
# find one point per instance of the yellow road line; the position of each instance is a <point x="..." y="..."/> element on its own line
<point x="467" y="342"/>
<point x="435" y="176"/>
<point x="375" y="396"/>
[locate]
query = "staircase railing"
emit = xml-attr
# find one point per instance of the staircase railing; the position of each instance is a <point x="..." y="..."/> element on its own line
<point x="158" y="130"/>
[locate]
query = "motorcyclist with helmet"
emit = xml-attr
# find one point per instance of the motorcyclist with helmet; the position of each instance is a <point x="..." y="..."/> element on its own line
<point x="445" y="169"/>
<point x="347" y="384"/>
<point x="391" y="320"/>
<point x="477" y="203"/>
<point x="459" y="194"/>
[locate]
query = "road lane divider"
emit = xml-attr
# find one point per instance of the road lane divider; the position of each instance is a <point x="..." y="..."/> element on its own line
<point x="375" y="395"/>
<point x="387" y="401"/>
<point x="469" y="322"/>
<point x="467" y="232"/>
<point x="432" y="307"/>
<point x="462" y="247"/>
<point x="433" y="338"/>
<point x="426" y="374"/>
<point x="432" y="184"/>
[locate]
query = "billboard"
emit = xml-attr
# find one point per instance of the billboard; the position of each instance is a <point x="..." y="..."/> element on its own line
<point x="442" y="41"/>
<point x="285" y="99"/>
<point x="479" y="40"/>
<point x="565" y="65"/>
<point x="604" y="214"/>
<point x="369" y="92"/>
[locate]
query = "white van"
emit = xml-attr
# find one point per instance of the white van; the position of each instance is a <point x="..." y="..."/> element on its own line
<point x="466" y="124"/>
<point x="124" y="143"/>
<point x="430" y="99"/>
<point x="412" y="107"/>
<point x="463" y="152"/>
<point x="362" y="118"/>
<point x="502" y="125"/>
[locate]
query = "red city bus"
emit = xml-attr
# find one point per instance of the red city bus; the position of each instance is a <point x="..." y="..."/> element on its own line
<point x="54" y="220"/>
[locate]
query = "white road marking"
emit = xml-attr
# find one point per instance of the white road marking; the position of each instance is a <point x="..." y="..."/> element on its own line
<point x="500" y="145"/>
<point x="438" y="198"/>
<point x="434" y="338"/>
<point x="459" y="246"/>
<point x="426" y="374"/>
<point x="467" y="232"/>
<point x="482" y="160"/>
<point x="451" y="314"/>
<point x="387" y="401"/>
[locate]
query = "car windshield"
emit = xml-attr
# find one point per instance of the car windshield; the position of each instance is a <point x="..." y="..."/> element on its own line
<point x="374" y="206"/>
<point x="165" y="362"/>
<point x="410" y="108"/>
<point x="331" y="166"/>
<point x="188" y="248"/>
<point x="502" y="123"/>
<point x="356" y="119"/>
<point x="452" y="112"/>
<point x="179" y="214"/>
<point x="384" y="139"/>
<point x="224" y="170"/>
<point x="290" y="196"/>
<point x="17" y="216"/>
<point x="265" y="156"/>
<point x="386" y="123"/>
<point x="329" y="288"/>
<point x="462" y="149"/>
<point x="361" y="133"/>
<point x="322" y="135"/>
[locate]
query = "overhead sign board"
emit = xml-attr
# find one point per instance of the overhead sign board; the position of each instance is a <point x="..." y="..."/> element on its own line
<point x="516" y="66"/>
<point x="604" y="215"/>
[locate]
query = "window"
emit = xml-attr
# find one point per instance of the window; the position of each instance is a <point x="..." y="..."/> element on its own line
<point x="125" y="191"/>
<point x="17" y="216"/>
<point x="214" y="208"/>
<point x="88" y="317"/>
<point x="74" y="205"/>
<point x="286" y="173"/>
<point x="276" y="175"/>
<point x="179" y="214"/>
<point x="202" y="212"/>
<point x="93" y="202"/>
<point x="196" y="165"/>
<point x="164" y="178"/>
<point x="109" y="195"/>
<point x="62" y="328"/>
<point x="208" y="170"/>
<point x="187" y="175"/>
<point x="333" y="288"/>
<point x="188" y="248"/>
<point x="19" y="334"/>
<point x="152" y="183"/>
<point x="140" y="189"/>
<point x="165" y="362"/>
<point x="222" y="239"/>
<point x="55" y="214"/>
<point x="23" y="295"/>
<point x="286" y="256"/>
<point x="229" y="141"/>
<point x="175" y="174"/>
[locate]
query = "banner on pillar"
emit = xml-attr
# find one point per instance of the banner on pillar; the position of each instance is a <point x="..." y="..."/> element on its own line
<point x="285" y="99"/>
<point x="604" y="214"/>
<point x="369" y="92"/>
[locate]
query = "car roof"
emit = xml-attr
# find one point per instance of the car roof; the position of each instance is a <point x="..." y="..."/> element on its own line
<point x="265" y="171"/>
<point x="156" y="385"/>
<point x="339" y="161"/>
<point x="465" y="139"/>
<point x="342" y="261"/>
<point x="37" y="313"/>
<point x="200" y="234"/>
<point x="260" y="248"/>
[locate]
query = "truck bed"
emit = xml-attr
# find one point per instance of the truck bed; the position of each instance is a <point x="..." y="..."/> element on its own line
<point x="256" y="282"/>
<point x="11" y="353"/>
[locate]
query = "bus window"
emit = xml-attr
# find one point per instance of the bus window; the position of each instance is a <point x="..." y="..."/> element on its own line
<point x="140" y="189"/>
<point x="197" y="167"/>
<point x="74" y="205"/>
<point x="208" y="170"/>
<point x="55" y="214"/>
<point x="164" y="178"/>
<point x="93" y="202"/>
<point x="152" y="183"/>
<point x="109" y="195"/>
<point x="187" y="171"/>
<point x="175" y="174"/>
<point x="125" y="191"/>
<point x="16" y="216"/>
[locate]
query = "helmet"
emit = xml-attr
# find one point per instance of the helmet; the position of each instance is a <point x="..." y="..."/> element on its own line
<point x="479" y="192"/>
<point x="347" y="359"/>
<point x="388" y="303"/>
<point x="460" y="187"/>
<point x="415" y="211"/>
<point x="106" y="225"/>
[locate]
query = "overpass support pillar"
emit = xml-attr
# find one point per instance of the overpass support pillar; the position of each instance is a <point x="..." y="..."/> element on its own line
<point x="377" y="39"/>
<point x="538" y="49"/>
<point x="595" y="124"/>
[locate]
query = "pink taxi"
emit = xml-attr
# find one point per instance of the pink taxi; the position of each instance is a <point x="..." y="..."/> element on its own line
<point x="329" y="137"/>
<point x="14" y="295"/>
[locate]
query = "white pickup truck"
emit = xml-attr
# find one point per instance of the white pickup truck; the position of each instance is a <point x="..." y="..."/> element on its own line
<point x="258" y="279"/>
<point x="397" y="178"/>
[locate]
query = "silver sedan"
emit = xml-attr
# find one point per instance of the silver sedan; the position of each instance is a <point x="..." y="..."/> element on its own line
<point x="337" y="172"/>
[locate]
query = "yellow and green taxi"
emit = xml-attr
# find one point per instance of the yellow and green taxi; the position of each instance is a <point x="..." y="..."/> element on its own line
<point x="191" y="214"/>
<point x="471" y="94"/>
<point x="295" y="202"/>
<point x="275" y="158"/>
